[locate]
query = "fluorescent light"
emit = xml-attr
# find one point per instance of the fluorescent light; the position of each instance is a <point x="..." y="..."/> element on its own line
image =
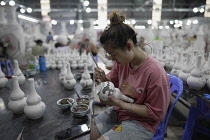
<point x="171" y="22"/>
<point x="139" y="27"/>
<point x="71" y="22"/>
<point x="54" y="22"/>
<point x="29" y="10"/>
<point x="28" y="18"/>
<point x="195" y="10"/>
<point x="12" y="3"/>
<point x="160" y="27"/>
<point x="80" y="21"/>
<point x="22" y="10"/>
<point x="149" y="21"/>
<point x="167" y="27"/>
<point x="195" y="21"/>
<point x="201" y="10"/>
<point x="133" y="21"/>
<point x="86" y="3"/>
<point x="3" y="3"/>
<point x="88" y="10"/>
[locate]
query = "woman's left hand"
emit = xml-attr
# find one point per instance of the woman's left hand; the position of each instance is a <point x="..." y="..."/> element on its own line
<point x="112" y="101"/>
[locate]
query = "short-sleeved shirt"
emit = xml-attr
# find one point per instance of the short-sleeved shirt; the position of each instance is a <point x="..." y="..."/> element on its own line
<point x="38" y="50"/>
<point x="147" y="85"/>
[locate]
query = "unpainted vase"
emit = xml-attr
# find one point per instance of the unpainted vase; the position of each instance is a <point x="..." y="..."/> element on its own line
<point x="178" y="65"/>
<point x="17" y="72"/>
<point x="197" y="80"/>
<point x="17" y="100"/>
<point x="186" y="70"/>
<point x="74" y="64"/>
<point x="69" y="82"/>
<point x="63" y="72"/>
<point x="35" y="108"/>
<point x="106" y="89"/>
<point x="86" y="81"/>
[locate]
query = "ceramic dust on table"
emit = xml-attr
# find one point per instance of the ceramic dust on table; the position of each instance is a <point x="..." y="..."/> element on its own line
<point x="106" y="89"/>
<point x="35" y="108"/>
<point x="17" y="100"/>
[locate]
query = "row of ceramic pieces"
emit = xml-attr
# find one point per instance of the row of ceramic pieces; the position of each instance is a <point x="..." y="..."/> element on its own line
<point x="67" y="78"/>
<point x="16" y="72"/>
<point x="196" y="78"/>
<point x="32" y="107"/>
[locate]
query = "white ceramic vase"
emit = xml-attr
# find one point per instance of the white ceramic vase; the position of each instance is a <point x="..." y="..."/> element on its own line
<point x="86" y="81"/>
<point x="35" y="108"/>
<point x="17" y="100"/>
<point x="17" y="72"/>
<point x="178" y="65"/>
<point x="63" y="72"/>
<point x="69" y="82"/>
<point x="186" y="70"/>
<point x="106" y="89"/>
<point x="197" y="79"/>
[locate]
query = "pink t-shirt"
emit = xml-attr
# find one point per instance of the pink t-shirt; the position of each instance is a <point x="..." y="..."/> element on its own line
<point x="147" y="85"/>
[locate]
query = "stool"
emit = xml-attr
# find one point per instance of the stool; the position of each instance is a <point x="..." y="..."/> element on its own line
<point x="201" y="112"/>
<point x="10" y="68"/>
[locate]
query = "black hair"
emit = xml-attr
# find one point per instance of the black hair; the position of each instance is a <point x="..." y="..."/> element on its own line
<point x="38" y="41"/>
<point x="118" y="32"/>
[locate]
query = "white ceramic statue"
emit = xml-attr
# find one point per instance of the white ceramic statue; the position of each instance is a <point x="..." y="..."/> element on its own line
<point x="106" y="89"/>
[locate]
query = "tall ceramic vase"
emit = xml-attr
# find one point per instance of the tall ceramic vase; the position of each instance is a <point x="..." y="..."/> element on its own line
<point x="69" y="82"/>
<point x="178" y="65"/>
<point x="13" y="33"/>
<point x="197" y="79"/>
<point x="185" y="73"/>
<point x="35" y="108"/>
<point x="17" y="100"/>
<point x="86" y="81"/>
<point x="17" y="72"/>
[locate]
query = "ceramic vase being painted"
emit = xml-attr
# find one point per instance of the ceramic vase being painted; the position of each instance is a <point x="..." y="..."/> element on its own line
<point x="69" y="82"/>
<point x="35" y="108"/>
<point x="17" y="72"/>
<point x="197" y="79"/>
<point x="86" y="81"/>
<point x="106" y="89"/>
<point x="17" y="100"/>
<point x="3" y="80"/>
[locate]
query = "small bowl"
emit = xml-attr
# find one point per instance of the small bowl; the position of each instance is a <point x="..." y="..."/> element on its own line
<point x="64" y="104"/>
<point x="83" y="101"/>
<point x="79" y="110"/>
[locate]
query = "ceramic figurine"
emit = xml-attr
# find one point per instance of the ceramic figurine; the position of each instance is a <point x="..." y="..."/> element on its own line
<point x="106" y="89"/>
<point x="69" y="81"/>
<point x="178" y="65"/>
<point x="63" y="72"/>
<point x="17" y="100"/>
<point x="187" y="68"/>
<point x="35" y="108"/>
<point x="86" y="81"/>
<point x="3" y="80"/>
<point x="18" y="72"/>
<point x="197" y="79"/>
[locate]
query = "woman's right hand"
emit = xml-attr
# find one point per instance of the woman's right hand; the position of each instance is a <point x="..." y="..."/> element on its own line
<point x="100" y="75"/>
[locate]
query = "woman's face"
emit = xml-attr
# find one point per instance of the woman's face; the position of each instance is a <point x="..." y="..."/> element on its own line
<point x="119" y="56"/>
